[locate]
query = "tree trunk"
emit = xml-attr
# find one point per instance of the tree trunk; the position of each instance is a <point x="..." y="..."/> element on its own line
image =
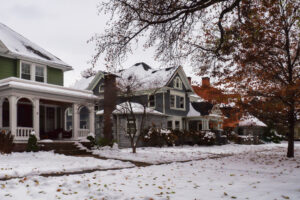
<point x="133" y="146"/>
<point x="291" y="120"/>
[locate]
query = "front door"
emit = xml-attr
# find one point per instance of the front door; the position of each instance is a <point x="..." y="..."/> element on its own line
<point x="50" y="119"/>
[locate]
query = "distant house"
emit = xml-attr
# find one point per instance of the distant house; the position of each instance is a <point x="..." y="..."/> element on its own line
<point x="167" y="93"/>
<point x="250" y="125"/>
<point x="32" y="95"/>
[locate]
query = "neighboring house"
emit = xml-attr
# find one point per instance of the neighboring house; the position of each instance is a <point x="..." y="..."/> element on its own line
<point x="32" y="95"/>
<point x="166" y="91"/>
<point x="225" y="100"/>
<point x="250" y="125"/>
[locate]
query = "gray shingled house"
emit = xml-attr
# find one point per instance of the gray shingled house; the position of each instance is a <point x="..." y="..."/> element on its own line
<point x="170" y="99"/>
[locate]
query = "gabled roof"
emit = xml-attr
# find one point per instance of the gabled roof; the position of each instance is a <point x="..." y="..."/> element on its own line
<point x="90" y="82"/>
<point x="145" y="76"/>
<point x="250" y="120"/>
<point x="14" y="45"/>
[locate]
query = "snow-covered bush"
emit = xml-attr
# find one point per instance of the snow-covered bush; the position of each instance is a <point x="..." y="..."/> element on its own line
<point x="32" y="144"/>
<point x="6" y="142"/>
<point x="272" y="136"/>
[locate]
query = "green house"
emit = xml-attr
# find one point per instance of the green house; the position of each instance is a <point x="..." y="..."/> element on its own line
<point x="33" y="99"/>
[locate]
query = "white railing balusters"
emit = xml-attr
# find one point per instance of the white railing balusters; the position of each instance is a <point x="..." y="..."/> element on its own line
<point x="23" y="133"/>
<point x="83" y="133"/>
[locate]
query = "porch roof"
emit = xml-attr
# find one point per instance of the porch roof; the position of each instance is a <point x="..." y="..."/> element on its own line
<point x="22" y="84"/>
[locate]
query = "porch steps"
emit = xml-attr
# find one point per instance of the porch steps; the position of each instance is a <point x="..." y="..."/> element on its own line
<point x="67" y="148"/>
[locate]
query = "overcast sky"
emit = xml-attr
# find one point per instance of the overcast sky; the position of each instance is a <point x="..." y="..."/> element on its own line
<point x="63" y="27"/>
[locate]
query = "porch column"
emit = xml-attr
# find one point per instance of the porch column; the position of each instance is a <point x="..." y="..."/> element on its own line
<point x="205" y="124"/>
<point x="75" y="121"/>
<point x="36" y="117"/>
<point x="92" y="119"/>
<point x="1" y="111"/>
<point x="13" y="114"/>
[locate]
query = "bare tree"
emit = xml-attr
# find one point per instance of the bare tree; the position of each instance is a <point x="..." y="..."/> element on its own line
<point x="129" y="89"/>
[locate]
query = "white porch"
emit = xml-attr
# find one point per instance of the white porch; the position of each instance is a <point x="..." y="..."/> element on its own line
<point x="52" y="112"/>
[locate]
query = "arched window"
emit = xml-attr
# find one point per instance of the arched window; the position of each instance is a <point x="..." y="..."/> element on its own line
<point x="177" y="83"/>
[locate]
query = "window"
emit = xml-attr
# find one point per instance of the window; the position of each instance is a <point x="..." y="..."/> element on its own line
<point x="25" y="71"/>
<point x="181" y="102"/>
<point x="34" y="72"/>
<point x="172" y="101"/>
<point x="151" y="100"/>
<point x="131" y="128"/>
<point x="101" y="87"/>
<point x="177" y="125"/>
<point x="39" y="74"/>
<point x="170" y="125"/>
<point x="177" y="83"/>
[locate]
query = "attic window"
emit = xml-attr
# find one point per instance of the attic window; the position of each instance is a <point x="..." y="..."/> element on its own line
<point x="177" y="83"/>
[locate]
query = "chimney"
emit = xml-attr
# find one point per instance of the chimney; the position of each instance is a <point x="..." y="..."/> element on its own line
<point x="190" y="80"/>
<point x="205" y="82"/>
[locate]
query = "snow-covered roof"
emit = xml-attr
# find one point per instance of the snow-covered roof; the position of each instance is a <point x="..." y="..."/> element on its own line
<point x="12" y="44"/>
<point x="83" y="83"/>
<point x="145" y="76"/>
<point x="192" y="112"/>
<point x="250" y="120"/>
<point x="45" y="88"/>
<point x="124" y="108"/>
<point x="196" y="98"/>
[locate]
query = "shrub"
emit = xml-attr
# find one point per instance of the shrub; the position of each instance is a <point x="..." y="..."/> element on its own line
<point x="102" y="142"/>
<point x="272" y="136"/>
<point x="207" y="138"/>
<point x="32" y="144"/>
<point x="6" y="142"/>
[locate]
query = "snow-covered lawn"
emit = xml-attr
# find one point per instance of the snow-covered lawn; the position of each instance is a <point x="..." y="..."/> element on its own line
<point x="25" y="164"/>
<point x="261" y="173"/>
<point x="182" y="153"/>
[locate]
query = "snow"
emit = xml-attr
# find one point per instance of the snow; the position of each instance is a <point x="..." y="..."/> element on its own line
<point x="250" y="120"/>
<point x="154" y="155"/>
<point x="43" y="87"/>
<point x="83" y="83"/>
<point x="261" y="172"/>
<point x="147" y="78"/>
<point x="137" y="108"/>
<point x="28" y="164"/>
<point x="17" y="45"/>
<point x="192" y="112"/>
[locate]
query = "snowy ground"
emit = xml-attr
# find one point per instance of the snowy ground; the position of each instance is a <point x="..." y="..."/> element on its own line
<point x="25" y="164"/>
<point x="182" y="153"/>
<point x="262" y="172"/>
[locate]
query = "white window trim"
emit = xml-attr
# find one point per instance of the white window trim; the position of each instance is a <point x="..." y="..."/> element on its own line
<point x="100" y="86"/>
<point x="177" y="79"/>
<point x="32" y="71"/>
<point x="149" y="100"/>
<point x="179" y="94"/>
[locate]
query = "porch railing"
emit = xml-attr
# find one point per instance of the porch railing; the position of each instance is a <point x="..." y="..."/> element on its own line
<point x="83" y="133"/>
<point x="23" y="133"/>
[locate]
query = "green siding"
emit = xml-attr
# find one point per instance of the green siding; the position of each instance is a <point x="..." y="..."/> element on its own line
<point x="55" y="76"/>
<point x="8" y="68"/>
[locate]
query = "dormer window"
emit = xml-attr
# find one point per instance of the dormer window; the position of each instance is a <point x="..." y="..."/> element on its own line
<point x="101" y="88"/>
<point x="34" y="72"/>
<point x="177" y="83"/>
